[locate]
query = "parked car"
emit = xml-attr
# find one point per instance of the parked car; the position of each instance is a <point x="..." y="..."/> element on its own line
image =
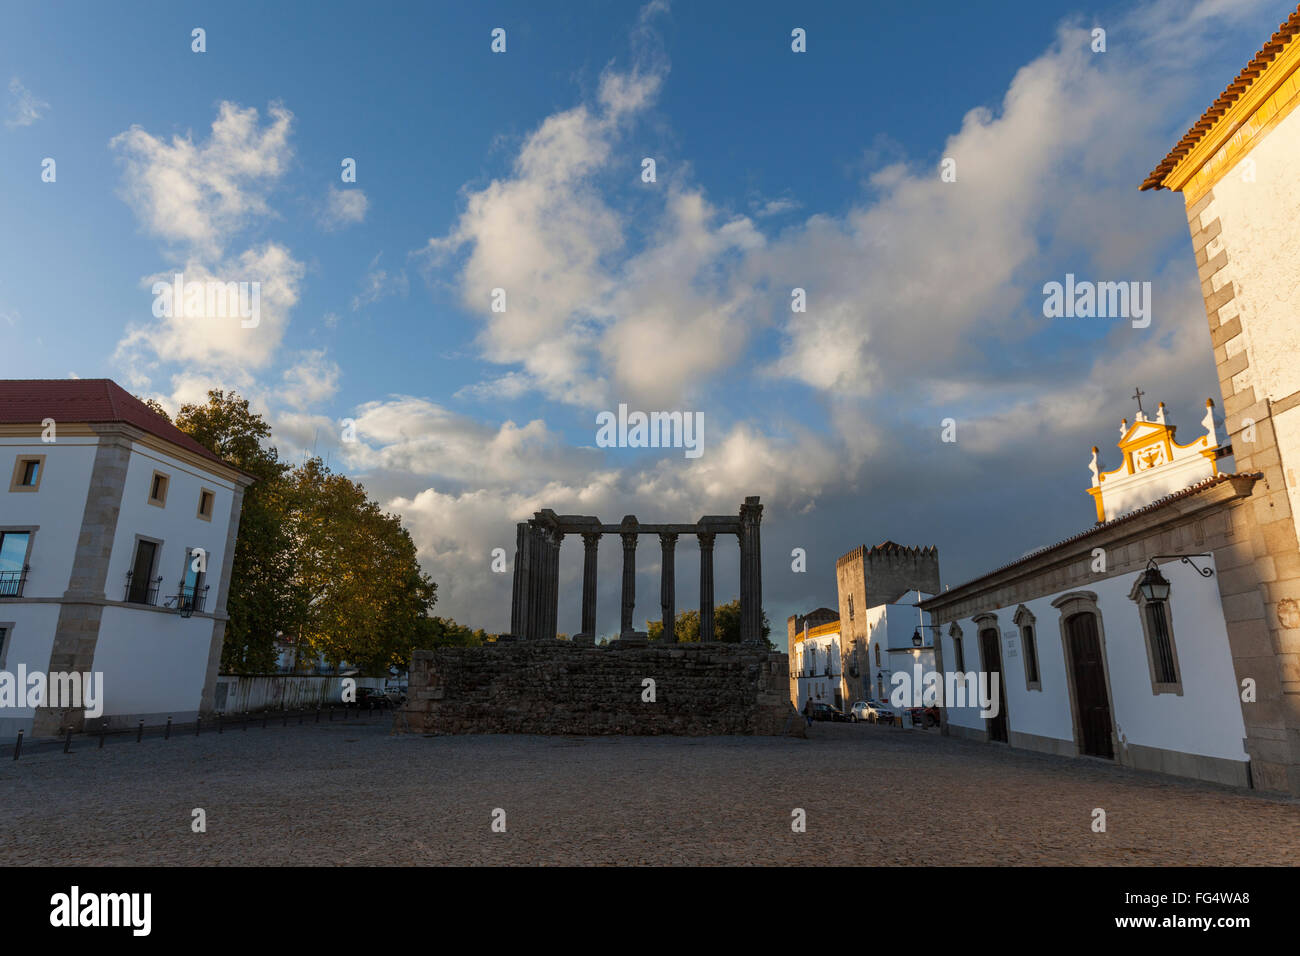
<point x="863" y="710"/>
<point x="368" y="697"/>
<point x="396" y="695"/>
<point x="885" y="714"/>
<point x="827" y="712"/>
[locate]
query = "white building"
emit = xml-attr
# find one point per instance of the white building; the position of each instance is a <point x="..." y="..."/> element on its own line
<point x="1097" y="654"/>
<point x="816" y="662"/>
<point x="900" y="649"/>
<point x="117" y="534"/>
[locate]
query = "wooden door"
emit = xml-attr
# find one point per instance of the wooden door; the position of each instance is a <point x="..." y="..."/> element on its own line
<point x="991" y="648"/>
<point x="1090" y="696"/>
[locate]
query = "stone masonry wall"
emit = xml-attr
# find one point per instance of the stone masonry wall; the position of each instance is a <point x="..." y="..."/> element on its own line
<point x="563" y="687"/>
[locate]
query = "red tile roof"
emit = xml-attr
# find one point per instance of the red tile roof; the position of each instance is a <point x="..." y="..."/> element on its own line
<point x="99" y="400"/>
<point x="1235" y="89"/>
<point x="1187" y="492"/>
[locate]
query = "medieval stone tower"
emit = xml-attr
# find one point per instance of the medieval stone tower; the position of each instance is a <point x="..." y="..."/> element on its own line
<point x="868" y="577"/>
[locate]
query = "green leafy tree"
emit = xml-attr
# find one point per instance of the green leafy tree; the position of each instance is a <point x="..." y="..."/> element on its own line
<point x="357" y="592"/>
<point x="258" y="598"/>
<point x="726" y="625"/>
<point x="315" y="558"/>
<point x="444" y="632"/>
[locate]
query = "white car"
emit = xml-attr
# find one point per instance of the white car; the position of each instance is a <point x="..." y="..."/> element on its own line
<point x="884" y="712"/>
<point x="872" y="711"/>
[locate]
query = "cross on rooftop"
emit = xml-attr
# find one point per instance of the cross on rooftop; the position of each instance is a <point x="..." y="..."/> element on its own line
<point x="1138" y="393"/>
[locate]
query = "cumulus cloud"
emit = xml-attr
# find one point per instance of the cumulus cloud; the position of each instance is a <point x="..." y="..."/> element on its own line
<point x="199" y="196"/>
<point x="200" y="193"/>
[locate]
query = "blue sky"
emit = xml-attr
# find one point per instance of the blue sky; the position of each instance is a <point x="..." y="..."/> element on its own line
<point x="521" y="170"/>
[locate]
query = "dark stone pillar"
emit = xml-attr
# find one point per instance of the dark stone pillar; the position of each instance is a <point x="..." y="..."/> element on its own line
<point x="667" y="587"/>
<point x="751" y="574"/>
<point x="519" y="594"/>
<point x="553" y="540"/>
<point x="629" y="577"/>
<point x="536" y="583"/>
<point x="590" y="542"/>
<point x="706" y="585"/>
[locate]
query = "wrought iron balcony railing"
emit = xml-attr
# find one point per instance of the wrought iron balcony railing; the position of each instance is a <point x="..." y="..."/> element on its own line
<point x="12" y="582"/>
<point x="144" y="591"/>
<point x="189" y="600"/>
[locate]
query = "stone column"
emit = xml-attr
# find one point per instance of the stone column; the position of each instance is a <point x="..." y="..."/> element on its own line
<point x="519" y="594"/>
<point x="667" y="587"/>
<point x="751" y="574"/>
<point x="706" y="584"/>
<point x="535" y="583"/>
<point x="554" y="539"/>
<point x="629" y="581"/>
<point x="590" y="542"/>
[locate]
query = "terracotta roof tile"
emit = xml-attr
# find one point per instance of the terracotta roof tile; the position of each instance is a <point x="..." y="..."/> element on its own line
<point x="99" y="400"/>
<point x="1235" y="89"/>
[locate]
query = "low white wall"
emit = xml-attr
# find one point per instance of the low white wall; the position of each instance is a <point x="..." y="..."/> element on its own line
<point x="237" y="693"/>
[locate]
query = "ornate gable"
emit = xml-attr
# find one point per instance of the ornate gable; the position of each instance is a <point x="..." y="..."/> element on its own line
<point x="1153" y="464"/>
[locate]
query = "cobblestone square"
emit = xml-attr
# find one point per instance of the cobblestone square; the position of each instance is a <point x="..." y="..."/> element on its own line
<point x="338" y="794"/>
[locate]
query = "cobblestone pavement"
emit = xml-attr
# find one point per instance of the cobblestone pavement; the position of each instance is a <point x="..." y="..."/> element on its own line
<point x="352" y="794"/>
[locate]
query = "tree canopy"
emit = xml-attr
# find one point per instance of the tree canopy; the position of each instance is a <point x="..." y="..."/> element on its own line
<point x="315" y="558"/>
<point x="726" y="625"/>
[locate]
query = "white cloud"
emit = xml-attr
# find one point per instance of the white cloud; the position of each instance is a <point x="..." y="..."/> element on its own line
<point x="343" y="207"/>
<point x="201" y="193"/>
<point x="220" y="340"/>
<point x="310" y="381"/>
<point x="25" y="108"/>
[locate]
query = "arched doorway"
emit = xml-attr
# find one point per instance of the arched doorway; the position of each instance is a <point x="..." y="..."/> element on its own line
<point x="991" y="655"/>
<point x="1088" y="682"/>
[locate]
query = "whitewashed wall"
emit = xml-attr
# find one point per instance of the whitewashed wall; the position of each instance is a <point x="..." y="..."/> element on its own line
<point x="57" y="508"/>
<point x="1205" y="719"/>
<point x="177" y="525"/>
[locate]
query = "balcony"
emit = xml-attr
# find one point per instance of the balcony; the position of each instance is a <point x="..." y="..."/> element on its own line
<point x="144" y="591"/>
<point x="12" y="582"/>
<point x="189" y="600"/>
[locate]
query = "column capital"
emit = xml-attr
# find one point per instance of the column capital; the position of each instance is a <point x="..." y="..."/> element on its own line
<point x="668" y="539"/>
<point x="706" y="538"/>
<point x="591" y="539"/>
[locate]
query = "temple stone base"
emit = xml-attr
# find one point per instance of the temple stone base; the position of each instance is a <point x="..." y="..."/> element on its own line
<point x="633" y="639"/>
<point x="562" y="687"/>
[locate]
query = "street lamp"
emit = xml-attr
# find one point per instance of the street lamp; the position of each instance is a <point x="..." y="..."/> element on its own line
<point x="916" y="638"/>
<point x="1155" y="586"/>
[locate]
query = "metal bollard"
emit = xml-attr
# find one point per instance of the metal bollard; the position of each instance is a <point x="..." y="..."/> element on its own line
<point x="265" y="718"/>
<point x="299" y="718"/>
<point x="139" y="732"/>
<point x="167" y="733"/>
<point x="318" y="715"/>
<point x="331" y="713"/>
<point x="67" y="743"/>
<point x="198" y="725"/>
<point x="219" y="721"/>
<point x="18" y="745"/>
<point x="284" y="715"/>
<point x="101" y="740"/>
<point x="245" y="721"/>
